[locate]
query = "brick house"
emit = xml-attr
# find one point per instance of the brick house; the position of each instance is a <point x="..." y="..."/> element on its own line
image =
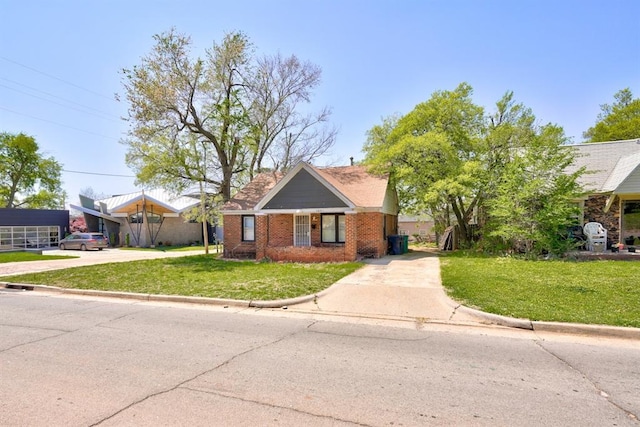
<point x="612" y="186"/>
<point x="311" y="214"/>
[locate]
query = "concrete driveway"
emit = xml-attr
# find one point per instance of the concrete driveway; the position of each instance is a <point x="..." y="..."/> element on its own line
<point x="404" y="286"/>
<point x="87" y="258"/>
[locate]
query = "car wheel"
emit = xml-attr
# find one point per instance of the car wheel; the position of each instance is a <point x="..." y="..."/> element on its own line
<point x="99" y="249"/>
<point x="62" y="246"/>
<point x="83" y="247"/>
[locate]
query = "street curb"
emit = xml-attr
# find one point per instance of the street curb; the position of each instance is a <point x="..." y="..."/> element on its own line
<point x="281" y="303"/>
<point x="584" y="329"/>
<point x="489" y="318"/>
<point x="541" y="326"/>
<point x="170" y="298"/>
<point x="130" y="295"/>
<point x="497" y="319"/>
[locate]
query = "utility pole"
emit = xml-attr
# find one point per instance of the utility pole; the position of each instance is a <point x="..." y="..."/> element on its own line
<point x="205" y="230"/>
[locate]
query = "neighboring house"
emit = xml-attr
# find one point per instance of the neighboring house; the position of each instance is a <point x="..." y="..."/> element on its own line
<point x="417" y="228"/>
<point x="311" y="214"/>
<point x="32" y="228"/>
<point x="612" y="185"/>
<point x="148" y="217"/>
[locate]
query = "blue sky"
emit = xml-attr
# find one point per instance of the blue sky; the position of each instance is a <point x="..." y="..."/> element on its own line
<point x="60" y="62"/>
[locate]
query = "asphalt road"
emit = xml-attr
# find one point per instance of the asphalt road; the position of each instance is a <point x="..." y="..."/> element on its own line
<point x="91" y="361"/>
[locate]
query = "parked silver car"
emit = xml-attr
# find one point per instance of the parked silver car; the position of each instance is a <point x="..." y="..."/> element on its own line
<point x="84" y="241"/>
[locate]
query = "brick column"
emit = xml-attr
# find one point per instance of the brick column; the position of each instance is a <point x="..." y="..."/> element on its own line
<point x="262" y="236"/>
<point x="594" y="211"/>
<point x="351" y="237"/>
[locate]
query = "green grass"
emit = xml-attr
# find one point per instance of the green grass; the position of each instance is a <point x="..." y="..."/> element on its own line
<point x="28" y="256"/>
<point x="200" y="275"/>
<point x="594" y="292"/>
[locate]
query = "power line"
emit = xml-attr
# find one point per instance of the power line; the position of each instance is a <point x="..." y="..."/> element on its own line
<point x="56" y="78"/>
<point x="99" y="174"/>
<point x="58" y="124"/>
<point x="55" y="96"/>
<point x="59" y="103"/>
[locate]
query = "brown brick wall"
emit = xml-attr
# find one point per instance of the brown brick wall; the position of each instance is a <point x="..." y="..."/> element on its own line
<point x="370" y="234"/>
<point x="274" y="238"/>
<point x="280" y="230"/>
<point x="307" y="253"/>
<point x="594" y="212"/>
<point x="233" y="246"/>
<point x="351" y="234"/>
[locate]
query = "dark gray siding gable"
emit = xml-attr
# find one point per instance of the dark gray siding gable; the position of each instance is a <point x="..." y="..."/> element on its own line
<point x="304" y="192"/>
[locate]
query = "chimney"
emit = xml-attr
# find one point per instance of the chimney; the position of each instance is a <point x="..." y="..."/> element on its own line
<point x="351" y="158"/>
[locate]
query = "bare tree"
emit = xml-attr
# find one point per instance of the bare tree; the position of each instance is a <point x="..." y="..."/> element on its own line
<point x="281" y="133"/>
<point x="241" y="110"/>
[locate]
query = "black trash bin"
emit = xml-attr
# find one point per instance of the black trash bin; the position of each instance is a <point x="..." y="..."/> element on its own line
<point x="395" y="244"/>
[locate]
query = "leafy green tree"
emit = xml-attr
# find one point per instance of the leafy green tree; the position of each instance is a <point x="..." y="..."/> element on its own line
<point x="239" y="109"/>
<point x="501" y="170"/>
<point x="534" y="200"/>
<point x="433" y="155"/>
<point x="28" y="179"/>
<point x="617" y="122"/>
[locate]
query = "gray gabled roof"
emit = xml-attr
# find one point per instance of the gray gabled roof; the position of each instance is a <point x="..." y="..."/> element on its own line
<point x="160" y="197"/>
<point x="608" y="164"/>
<point x="621" y="172"/>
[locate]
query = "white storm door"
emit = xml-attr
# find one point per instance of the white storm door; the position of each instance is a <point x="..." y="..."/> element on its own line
<point x="301" y="230"/>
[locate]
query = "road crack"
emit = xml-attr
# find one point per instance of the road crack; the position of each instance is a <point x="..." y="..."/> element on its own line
<point x="195" y="377"/>
<point x="271" y="405"/>
<point x="595" y="386"/>
<point x="61" y="333"/>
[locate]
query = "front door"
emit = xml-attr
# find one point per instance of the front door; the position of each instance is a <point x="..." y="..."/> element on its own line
<point x="302" y="230"/>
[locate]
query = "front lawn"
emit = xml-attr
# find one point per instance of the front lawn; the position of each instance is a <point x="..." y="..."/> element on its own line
<point x="595" y="292"/>
<point x="199" y="275"/>
<point x="28" y="256"/>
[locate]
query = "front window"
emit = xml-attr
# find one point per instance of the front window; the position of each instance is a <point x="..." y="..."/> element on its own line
<point x="154" y="218"/>
<point x="631" y="221"/>
<point x="136" y="218"/>
<point x="333" y="228"/>
<point x="248" y="228"/>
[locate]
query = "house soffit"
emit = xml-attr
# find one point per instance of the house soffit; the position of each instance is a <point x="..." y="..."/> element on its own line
<point x="290" y="176"/>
